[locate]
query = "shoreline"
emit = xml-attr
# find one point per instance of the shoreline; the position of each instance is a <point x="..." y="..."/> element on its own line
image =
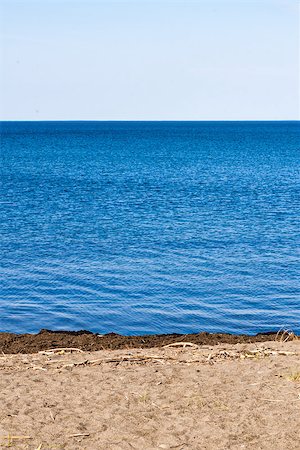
<point x="12" y="343"/>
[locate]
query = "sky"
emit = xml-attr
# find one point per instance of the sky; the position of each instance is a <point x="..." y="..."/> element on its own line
<point x="149" y="60"/>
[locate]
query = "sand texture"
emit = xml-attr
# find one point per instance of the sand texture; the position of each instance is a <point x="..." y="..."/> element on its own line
<point x="243" y="396"/>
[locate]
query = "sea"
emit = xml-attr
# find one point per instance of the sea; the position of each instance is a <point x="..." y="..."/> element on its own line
<point x="150" y="227"/>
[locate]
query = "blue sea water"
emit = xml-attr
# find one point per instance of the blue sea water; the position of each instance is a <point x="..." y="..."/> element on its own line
<point x="150" y="227"/>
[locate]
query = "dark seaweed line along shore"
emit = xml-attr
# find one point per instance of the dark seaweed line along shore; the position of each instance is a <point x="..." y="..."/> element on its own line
<point x="11" y="343"/>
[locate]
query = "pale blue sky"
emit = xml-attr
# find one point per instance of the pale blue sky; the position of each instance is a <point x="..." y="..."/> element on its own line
<point x="149" y="60"/>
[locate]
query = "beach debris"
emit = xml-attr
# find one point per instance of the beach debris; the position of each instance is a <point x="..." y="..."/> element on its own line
<point x="136" y="359"/>
<point x="181" y="344"/>
<point x="170" y="354"/>
<point x="60" y="351"/>
<point x="79" y="435"/>
<point x="284" y="335"/>
<point x="10" y="438"/>
<point x="251" y="354"/>
<point x="281" y="352"/>
<point x="211" y="358"/>
<point x="295" y="376"/>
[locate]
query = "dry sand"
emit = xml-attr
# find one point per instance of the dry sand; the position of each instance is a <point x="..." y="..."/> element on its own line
<point x="244" y="396"/>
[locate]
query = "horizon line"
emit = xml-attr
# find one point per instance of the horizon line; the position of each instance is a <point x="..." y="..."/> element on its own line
<point x="150" y="120"/>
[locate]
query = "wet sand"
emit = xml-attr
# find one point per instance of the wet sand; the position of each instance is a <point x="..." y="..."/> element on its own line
<point x="223" y="396"/>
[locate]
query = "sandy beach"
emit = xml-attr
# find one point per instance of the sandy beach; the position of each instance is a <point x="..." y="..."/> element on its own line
<point x="225" y="396"/>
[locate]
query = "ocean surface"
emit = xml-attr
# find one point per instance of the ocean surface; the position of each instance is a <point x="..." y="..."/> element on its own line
<point x="150" y="227"/>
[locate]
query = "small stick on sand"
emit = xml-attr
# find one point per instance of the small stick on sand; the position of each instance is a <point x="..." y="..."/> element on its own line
<point x="181" y="344"/>
<point x="280" y="352"/>
<point x="272" y="400"/>
<point x="50" y="351"/>
<point x="10" y="438"/>
<point x="117" y="360"/>
<point x="79" y="435"/>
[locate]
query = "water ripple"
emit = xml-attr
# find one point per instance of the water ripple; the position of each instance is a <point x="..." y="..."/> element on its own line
<point x="150" y="227"/>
